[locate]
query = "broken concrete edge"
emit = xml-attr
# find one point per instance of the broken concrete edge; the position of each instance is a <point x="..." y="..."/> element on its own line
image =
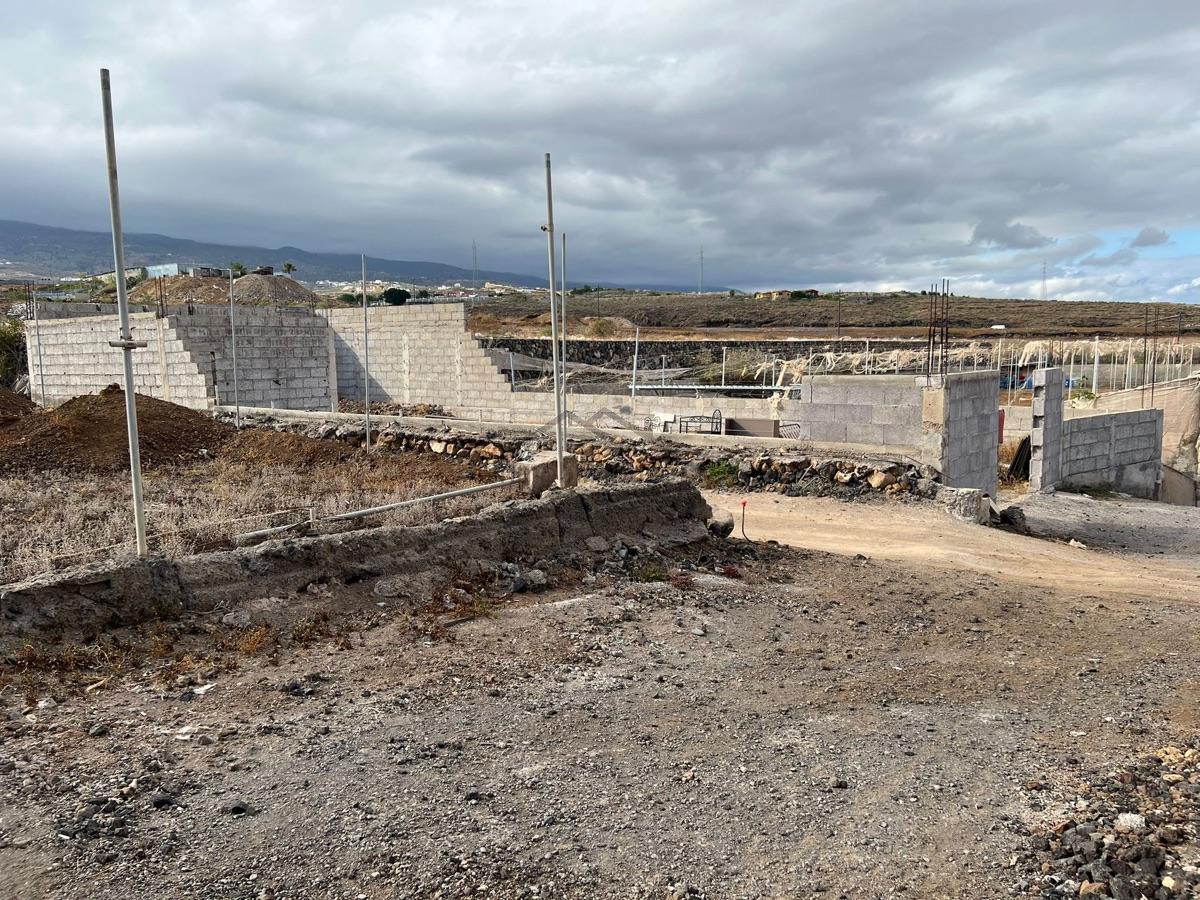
<point x="541" y="472"/>
<point x="668" y="513"/>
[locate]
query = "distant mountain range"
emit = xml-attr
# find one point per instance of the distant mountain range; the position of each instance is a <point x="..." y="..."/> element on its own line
<point x="26" y="248"/>
<point x="44" y="250"/>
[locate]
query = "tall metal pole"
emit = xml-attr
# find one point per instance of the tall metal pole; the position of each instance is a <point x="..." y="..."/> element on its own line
<point x="550" y="249"/>
<point x="700" y="285"/>
<point x="1096" y="366"/>
<point x="37" y="331"/>
<point x="366" y="355"/>
<point x="724" y="353"/>
<point x="237" y="404"/>
<point x="562" y="312"/>
<point x="126" y="342"/>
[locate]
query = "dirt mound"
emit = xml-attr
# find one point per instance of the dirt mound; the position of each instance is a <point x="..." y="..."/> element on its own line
<point x="88" y="434"/>
<point x="14" y="406"/>
<point x="281" y="448"/>
<point x="182" y="289"/>
<point x="272" y="290"/>
<point x="249" y="290"/>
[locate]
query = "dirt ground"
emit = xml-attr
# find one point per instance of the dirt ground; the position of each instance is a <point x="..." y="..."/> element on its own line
<point x="1132" y="548"/>
<point x="770" y="722"/>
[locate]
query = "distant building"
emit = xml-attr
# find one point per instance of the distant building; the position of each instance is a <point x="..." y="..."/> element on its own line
<point x="164" y="270"/>
<point x="807" y="293"/>
<point x="207" y="272"/>
<point x="110" y="278"/>
<point x="263" y="270"/>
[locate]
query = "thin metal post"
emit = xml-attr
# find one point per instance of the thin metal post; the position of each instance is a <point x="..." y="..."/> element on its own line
<point x="724" y="353"/>
<point x="366" y="355"/>
<point x="558" y="404"/>
<point x="37" y="330"/>
<point x="126" y="342"/>
<point x="562" y="312"/>
<point x="663" y="377"/>
<point x="1096" y="366"/>
<point x="512" y="369"/>
<point x="237" y="405"/>
<point x="637" y="334"/>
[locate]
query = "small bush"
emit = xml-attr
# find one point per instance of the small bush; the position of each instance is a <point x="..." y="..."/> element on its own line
<point x="252" y="640"/>
<point x="600" y="328"/>
<point x="651" y="571"/>
<point x="722" y="473"/>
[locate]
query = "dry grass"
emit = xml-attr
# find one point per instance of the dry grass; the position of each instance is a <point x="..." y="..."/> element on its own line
<point x="54" y="521"/>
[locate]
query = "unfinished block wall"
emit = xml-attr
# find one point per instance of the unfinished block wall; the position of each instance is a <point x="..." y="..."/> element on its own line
<point x="283" y="358"/>
<point x="1122" y="451"/>
<point x="960" y="432"/>
<point x="1045" y="436"/>
<point x="78" y="360"/>
<point x="419" y="353"/>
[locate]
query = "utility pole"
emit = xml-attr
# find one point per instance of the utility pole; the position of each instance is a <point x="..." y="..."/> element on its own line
<point x="1043" y="279"/>
<point x="700" y="284"/>
<point x="366" y="355"/>
<point x="37" y="333"/>
<point x="553" y="280"/>
<point x="474" y="268"/>
<point x="126" y="342"/>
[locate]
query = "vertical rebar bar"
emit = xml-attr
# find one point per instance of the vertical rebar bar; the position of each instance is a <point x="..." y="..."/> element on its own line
<point x="237" y="405"/>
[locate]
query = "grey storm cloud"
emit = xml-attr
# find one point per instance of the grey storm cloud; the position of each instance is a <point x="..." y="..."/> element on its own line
<point x="1009" y="235"/>
<point x="1120" y="257"/>
<point x="800" y="144"/>
<point x="1150" y="237"/>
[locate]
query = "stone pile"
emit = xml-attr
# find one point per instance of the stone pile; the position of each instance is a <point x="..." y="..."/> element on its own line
<point x="1132" y="834"/>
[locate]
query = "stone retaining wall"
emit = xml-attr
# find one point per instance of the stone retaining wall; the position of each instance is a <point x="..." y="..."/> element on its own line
<point x="139" y="590"/>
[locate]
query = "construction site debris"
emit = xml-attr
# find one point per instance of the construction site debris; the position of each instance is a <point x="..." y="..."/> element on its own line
<point x="249" y="290"/>
<point x="88" y="433"/>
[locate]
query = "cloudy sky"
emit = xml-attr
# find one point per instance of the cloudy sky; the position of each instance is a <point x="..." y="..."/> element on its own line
<point x="856" y="144"/>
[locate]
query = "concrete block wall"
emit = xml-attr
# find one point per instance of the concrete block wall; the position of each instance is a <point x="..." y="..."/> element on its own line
<point x="1122" y="451"/>
<point x="419" y="353"/>
<point x="283" y="358"/>
<point x="1045" y="436"/>
<point x="283" y="355"/>
<point x="970" y="405"/>
<point x="78" y="360"/>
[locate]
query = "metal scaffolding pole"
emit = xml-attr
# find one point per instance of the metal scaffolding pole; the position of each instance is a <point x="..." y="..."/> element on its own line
<point x="562" y="312"/>
<point x="366" y="356"/>
<point x="559" y="437"/>
<point x="237" y="405"/>
<point x="126" y="342"/>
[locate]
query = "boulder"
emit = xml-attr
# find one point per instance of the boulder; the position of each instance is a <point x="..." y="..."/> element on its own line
<point x="721" y="524"/>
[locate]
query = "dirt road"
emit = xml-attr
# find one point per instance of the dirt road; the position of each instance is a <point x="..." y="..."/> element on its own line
<point x="910" y="534"/>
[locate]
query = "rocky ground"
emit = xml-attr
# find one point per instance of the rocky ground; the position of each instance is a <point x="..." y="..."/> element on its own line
<point x="735" y="720"/>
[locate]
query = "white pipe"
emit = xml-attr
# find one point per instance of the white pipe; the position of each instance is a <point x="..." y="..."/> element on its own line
<point x="637" y="333"/>
<point x="237" y="405"/>
<point x="461" y="492"/>
<point x="1096" y="366"/>
<point x="126" y="342"/>
<point x="366" y="355"/>
<point x="559" y="437"/>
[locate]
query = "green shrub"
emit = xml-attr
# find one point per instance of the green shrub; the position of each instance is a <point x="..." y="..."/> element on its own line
<point x="722" y="473"/>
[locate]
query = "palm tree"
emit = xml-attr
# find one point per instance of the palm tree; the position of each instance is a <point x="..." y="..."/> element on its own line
<point x="238" y="269"/>
<point x="289" y="268"/>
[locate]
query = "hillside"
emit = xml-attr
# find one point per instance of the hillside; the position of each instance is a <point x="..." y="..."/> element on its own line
<point x="45" y="250"/>
<point x="896" y="314"/>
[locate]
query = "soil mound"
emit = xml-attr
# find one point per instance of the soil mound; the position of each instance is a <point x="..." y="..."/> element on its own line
<point x="271" y="290"/>
<point x="280" y="448"/>
<point x="88" y="434"/>
<point x="14" y="406"/>
<point x="249" y="290"/>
